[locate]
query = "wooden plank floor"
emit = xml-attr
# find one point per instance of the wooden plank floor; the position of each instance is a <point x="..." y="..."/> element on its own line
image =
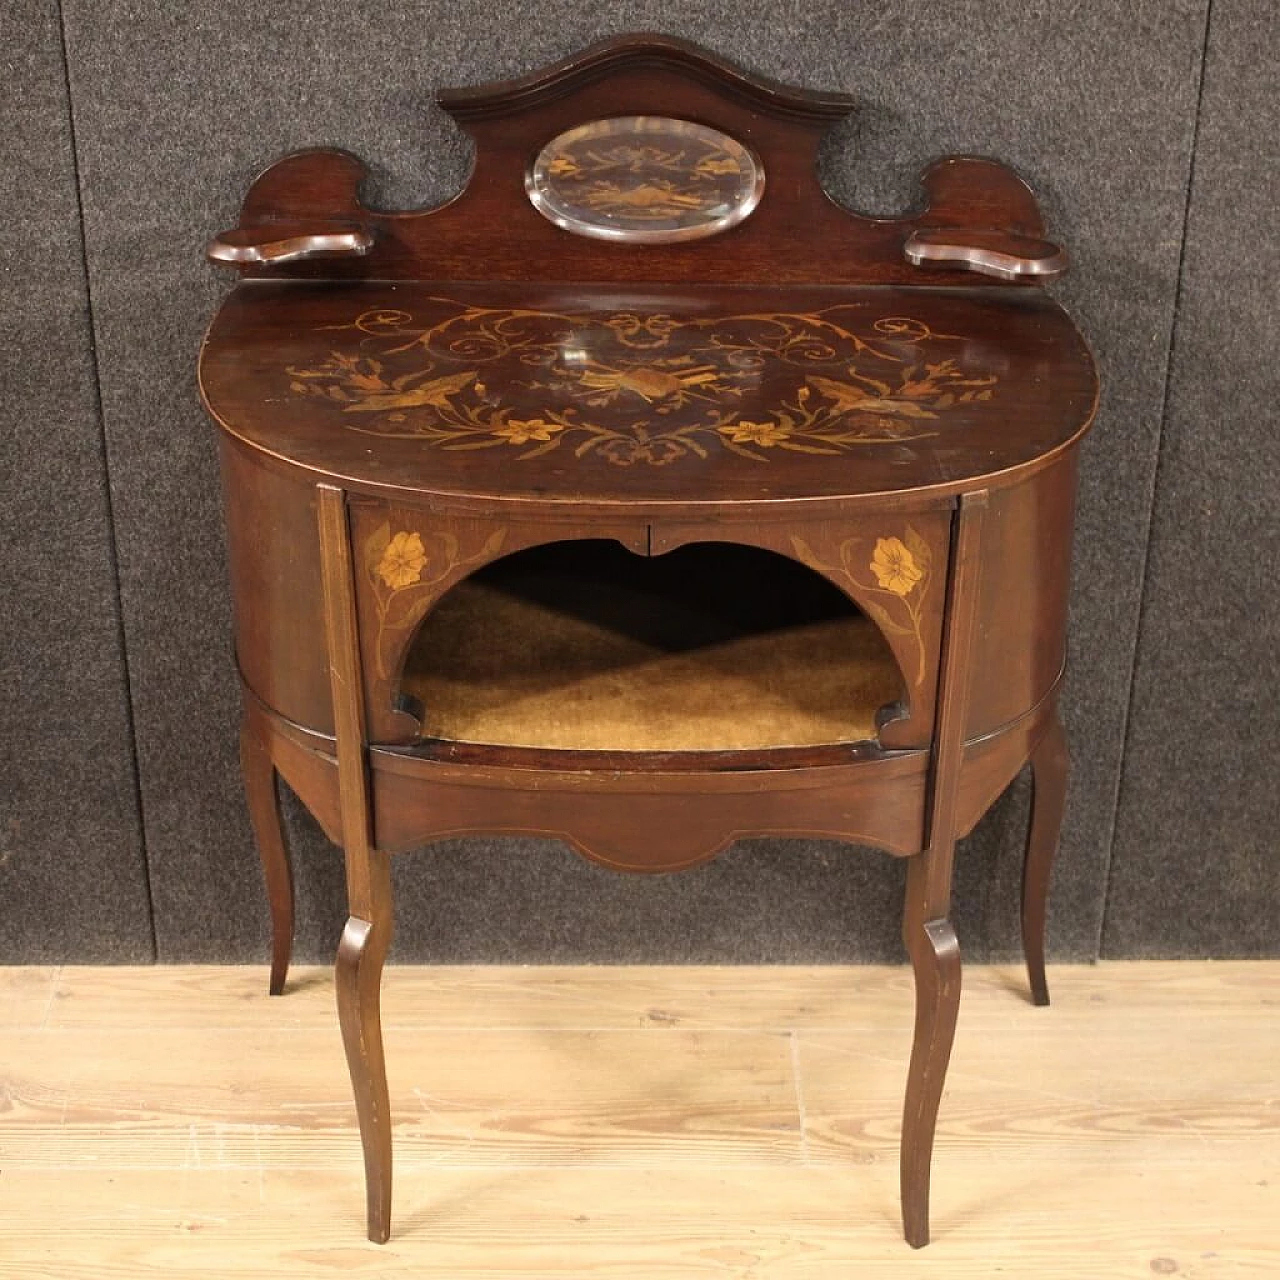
<point x="639" y="1122"/>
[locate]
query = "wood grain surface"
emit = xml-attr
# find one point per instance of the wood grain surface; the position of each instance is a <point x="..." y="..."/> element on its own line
<point x="639" y="1122"/>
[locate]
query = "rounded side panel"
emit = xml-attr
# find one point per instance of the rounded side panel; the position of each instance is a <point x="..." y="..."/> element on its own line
<point x="276" y="587"/>
<point x="1022" y="596"/>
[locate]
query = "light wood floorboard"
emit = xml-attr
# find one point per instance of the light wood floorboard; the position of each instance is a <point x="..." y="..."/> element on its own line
<point x="640" y="1122"/>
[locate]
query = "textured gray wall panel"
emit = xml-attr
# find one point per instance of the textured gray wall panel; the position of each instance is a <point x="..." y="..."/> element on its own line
<point x="1196" y="864"/>
<point x="72" y="880"/>
<point x="181" y="107"/>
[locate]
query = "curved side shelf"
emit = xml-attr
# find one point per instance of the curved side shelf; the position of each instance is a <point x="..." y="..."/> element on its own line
<point x="271" y="244"/>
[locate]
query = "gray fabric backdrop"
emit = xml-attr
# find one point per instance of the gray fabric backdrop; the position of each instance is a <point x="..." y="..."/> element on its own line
<point x="130" y="133"/>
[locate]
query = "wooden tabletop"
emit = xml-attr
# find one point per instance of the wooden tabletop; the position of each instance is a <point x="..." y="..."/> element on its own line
<point x="595" y="394"/>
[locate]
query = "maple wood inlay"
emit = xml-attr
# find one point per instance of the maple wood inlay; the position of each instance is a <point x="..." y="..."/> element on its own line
<point x="636" y="386"/>
<point x="899" y="572"/>
<point x="403" y="568"/>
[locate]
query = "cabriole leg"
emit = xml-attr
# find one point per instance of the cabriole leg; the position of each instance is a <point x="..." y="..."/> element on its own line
<point x="935" y="960"/>
<point x="1049" y="769"/>
<point x="365" y="940"/>
<point x="361" y="954"/>
<point x="926" y="924"/>
<point x="264" y="814"/>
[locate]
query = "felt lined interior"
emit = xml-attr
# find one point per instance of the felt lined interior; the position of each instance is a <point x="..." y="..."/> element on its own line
<point x="584" y="645"/>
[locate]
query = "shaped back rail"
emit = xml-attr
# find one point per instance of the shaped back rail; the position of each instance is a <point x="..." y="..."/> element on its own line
<point x="304" y="216"/>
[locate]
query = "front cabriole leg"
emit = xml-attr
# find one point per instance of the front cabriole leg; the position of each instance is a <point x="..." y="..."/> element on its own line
<point x="361" y="954"/>
<point x="367" y="936"/>
<point x="926" y="926"/>
<point x="935" y="961"/>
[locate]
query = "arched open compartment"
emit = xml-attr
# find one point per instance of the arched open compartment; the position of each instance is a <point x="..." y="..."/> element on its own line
<point x="586" y="646"/>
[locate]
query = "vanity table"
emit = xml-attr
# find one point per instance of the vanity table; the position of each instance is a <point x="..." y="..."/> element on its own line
<point x="643" y="497"/>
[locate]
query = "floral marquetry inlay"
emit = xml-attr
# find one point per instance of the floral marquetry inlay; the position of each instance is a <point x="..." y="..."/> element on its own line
<point x="896" y="569"/>
<point x="899" y="568"/>
<point x="402" y="561"/>
<point x="645" y="387"/>
<point x="406" y="570"/>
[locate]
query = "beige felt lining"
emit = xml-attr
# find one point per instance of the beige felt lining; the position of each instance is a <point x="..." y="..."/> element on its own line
<point x="516" y="662"/>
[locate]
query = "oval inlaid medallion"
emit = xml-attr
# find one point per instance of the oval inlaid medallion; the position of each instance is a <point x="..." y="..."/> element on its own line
<point x="645" y="180"/>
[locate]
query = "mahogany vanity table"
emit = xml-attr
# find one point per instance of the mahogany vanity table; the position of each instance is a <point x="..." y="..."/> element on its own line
<point x="644" y="497"/>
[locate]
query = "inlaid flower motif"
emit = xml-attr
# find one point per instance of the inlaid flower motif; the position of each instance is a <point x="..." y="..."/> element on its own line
<point x="895" y="567"/>
<point x="522" y="431"/>
<point x="403" y="561"/>
<point x="765" y="434"/>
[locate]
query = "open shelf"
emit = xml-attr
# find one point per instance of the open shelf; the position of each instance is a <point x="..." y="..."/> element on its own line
<point x="586" y="646"/>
